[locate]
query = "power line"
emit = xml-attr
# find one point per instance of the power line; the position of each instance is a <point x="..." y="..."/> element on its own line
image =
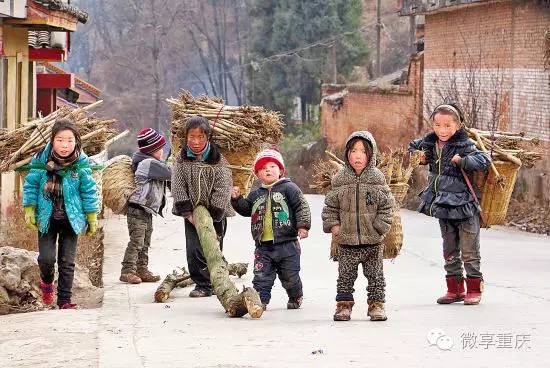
<point x="326" y="42"/>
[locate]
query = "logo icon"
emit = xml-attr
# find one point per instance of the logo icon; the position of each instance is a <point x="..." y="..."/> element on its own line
<point x="438" y="337"/>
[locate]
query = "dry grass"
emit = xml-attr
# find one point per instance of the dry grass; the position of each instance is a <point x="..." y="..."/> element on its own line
<point x="118" y="184"/>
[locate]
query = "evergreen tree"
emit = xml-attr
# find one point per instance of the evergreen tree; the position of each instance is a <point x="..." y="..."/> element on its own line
<point x="311" y="28"/>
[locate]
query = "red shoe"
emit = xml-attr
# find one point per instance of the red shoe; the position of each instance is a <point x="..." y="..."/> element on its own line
<point x="475" y="288"/>
<point x="47" y="292"/>
<point x="455" y="290"/>
<point x="68" y="306"/>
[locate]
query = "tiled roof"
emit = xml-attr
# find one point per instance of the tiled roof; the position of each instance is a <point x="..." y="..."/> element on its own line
<point x="38" y="39"/>
<point x="416" y="7"/>
<point x="64" y="7"/>
<point x="392" y="79"/>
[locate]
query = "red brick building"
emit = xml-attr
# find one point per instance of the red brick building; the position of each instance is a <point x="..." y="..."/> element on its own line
<point x="492" y="58"/>
<point x="390" y="107"/>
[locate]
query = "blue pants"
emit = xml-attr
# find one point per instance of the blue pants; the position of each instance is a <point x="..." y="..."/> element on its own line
<point x="282" y="259"/>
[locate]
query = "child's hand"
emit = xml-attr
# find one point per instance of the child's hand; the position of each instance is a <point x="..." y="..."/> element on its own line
<point x="30" y="218"/>
<point x="92" y="223"/>
<point x="456" y="160"/>
<point x="303" y="233"/>
<point x="335" y="230"/>
<point x="423" y="158"/>
<point x="235" y="192"/>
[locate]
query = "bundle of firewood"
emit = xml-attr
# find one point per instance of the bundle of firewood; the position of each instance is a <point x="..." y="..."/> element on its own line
<point x="507" y="146"/>
<point x="392" y="164"/>
<point x="235" y="127"/>
<point x="240" y="131"/>
<point x="18" y="146"/>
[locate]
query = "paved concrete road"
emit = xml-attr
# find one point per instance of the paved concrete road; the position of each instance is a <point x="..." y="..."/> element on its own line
<point x="511" y="327"/>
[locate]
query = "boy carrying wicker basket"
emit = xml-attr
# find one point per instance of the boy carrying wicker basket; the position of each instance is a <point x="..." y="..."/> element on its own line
<point x="450" y="197"/>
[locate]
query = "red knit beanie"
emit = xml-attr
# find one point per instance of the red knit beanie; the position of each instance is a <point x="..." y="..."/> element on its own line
<point x="149" y="140"/>
<point x="270" y="154"/>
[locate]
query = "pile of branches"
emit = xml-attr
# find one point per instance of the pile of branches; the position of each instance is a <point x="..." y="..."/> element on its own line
<point x="507" y="146"/>
<point x="235" y="127"/>
<point x="397" y="167"/>
<point x="19" y="145"/>
<point x="533" y="217"/>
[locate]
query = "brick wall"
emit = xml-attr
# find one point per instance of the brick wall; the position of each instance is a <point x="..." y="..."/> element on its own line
<point x="495" y="53"/>
<point x="386" y="115"/>
<point x="392" y="115"/>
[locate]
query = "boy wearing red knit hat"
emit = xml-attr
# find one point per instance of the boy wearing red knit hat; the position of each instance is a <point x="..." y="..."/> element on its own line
<point x="148" y="199"/>
<point x="280" y="215"/>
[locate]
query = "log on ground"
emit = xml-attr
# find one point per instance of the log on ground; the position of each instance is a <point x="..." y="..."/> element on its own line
<point x="235" y="304"/>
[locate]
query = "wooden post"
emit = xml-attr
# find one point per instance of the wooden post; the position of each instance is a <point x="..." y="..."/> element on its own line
<point x="378" y="28"/>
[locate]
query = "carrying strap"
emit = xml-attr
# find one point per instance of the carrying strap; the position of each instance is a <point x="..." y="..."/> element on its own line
<point x="469" y="184"/>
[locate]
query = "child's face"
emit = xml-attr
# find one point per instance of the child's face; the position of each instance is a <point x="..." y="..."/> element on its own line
<point x="357" y="157"/>
<point x="196" y="139"/>
<point x="157" y="154"/>
<point x="269" y="173"/>
<point x="64" y="143"/>
<point x="445" y="126"/>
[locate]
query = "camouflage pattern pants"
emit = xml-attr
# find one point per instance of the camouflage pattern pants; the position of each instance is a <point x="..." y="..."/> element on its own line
<point x="140" y="228"/>
<point x="371" y="258"/>
<point x="461" y="246"/>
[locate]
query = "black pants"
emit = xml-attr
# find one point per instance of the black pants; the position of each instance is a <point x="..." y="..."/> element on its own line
<point x="283" y="260"/>
<point x="66" y="254"/>
<point x="198" y="269"/>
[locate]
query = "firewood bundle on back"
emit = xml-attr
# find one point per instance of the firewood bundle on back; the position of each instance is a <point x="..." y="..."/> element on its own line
<point x="240" y="131"/>
<point x="18" y="146"/>
<point x="507" y="146"/>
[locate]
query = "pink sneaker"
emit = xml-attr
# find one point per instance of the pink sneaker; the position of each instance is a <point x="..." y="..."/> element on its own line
<point x="47" y="292"/>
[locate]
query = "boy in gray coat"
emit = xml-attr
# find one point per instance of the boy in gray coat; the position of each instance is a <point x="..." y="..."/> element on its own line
<point x="151" y="175"/>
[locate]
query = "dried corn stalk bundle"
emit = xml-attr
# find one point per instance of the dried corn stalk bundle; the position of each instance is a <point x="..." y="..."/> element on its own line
<point x="391" y="164"/>
<point x="118" y="183"/>
<point x="236" y="127"/>
<point x="18" y="146"/>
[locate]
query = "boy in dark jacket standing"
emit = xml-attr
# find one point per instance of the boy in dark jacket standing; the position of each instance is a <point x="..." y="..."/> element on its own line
<point x="280" y="215"/>
<point x="358" y="212"/>
<point x="451" y="155"/>
<point x="151" y="175"/>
